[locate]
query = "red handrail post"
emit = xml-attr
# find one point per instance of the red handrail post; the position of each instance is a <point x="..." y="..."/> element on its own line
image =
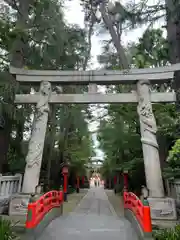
<point x="31" y="216"/>
<point x="147" y="219"/>
<point x="140" y="209"/>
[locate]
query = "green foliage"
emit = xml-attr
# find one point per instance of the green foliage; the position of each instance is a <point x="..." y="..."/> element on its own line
<point x="173" y="162"/>
<point x="174" y="153"/>
<point x="15" y="165"/>
<point x="6" y="232"/>
<point x="119" y="132"/>
<point x="48" y="42"/>
<point x="152" y="50"/>
<point x="167" y="234"/>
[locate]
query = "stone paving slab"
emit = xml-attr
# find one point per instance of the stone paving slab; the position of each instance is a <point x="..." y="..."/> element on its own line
<point x="116" y="201"/>
<point x="73" y="200"/>
<point x="94" y="217"/>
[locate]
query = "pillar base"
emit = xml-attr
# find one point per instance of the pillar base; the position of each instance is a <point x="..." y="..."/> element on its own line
<point x="18" y="204"/>
<point x="65" y="196"/>
<point x="162" y="208"/>
<point x="77" y="190"/>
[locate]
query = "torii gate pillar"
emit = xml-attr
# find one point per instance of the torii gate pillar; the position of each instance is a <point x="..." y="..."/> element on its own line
<point x="149" y="142"/>
<point x="19" y="202"/>
<point x="36" y="144"/>
<point x="161" y="207"/>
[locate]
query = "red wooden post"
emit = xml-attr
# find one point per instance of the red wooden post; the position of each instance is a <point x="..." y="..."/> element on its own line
<point x="125" y="176"/>
<point x="65" y="182"/>
<point x="147" y="224"/>
<point x="77" y="184"/>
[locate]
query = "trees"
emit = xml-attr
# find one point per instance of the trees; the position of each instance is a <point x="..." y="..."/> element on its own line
<point x="40" y="38"/>
<point x="43" y="41"/>
<point x="153" y="50"/>
<point x="173" y="166"/>
<point x="119" y="133"/>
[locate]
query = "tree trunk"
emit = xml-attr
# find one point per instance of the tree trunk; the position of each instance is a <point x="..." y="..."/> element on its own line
<point x="173" y="30"/>
<point x="115" y="38"/>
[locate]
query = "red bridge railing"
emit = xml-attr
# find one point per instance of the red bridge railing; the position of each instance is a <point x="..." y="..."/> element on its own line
<point x="141" y="212"/>
<point x="38" y="209"/>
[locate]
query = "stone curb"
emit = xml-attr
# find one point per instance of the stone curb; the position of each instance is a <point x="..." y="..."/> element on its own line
<point x="111" y="206"/>
<point x="136" y="226"/>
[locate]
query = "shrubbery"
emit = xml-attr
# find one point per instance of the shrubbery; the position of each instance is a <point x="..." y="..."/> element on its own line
<point x="173" y="162"/>
<point x="6" y="231"/>
<point x="167" y="234"/>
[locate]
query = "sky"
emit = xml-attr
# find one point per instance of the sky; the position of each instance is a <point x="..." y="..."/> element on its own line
<point x="74" y="15"/>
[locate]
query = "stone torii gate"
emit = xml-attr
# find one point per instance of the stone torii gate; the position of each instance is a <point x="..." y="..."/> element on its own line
<point x="161" y="207"/>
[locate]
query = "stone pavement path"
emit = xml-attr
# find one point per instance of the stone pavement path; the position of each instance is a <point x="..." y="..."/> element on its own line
<point x="93" y="218"/>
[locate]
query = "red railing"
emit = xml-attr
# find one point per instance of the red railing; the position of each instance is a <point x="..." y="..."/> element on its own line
<point x="38" y="209"/>
<point x="142" y="213"/>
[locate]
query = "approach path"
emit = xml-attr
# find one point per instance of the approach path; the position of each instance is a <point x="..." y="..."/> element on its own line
<point x="93" y="218"/>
